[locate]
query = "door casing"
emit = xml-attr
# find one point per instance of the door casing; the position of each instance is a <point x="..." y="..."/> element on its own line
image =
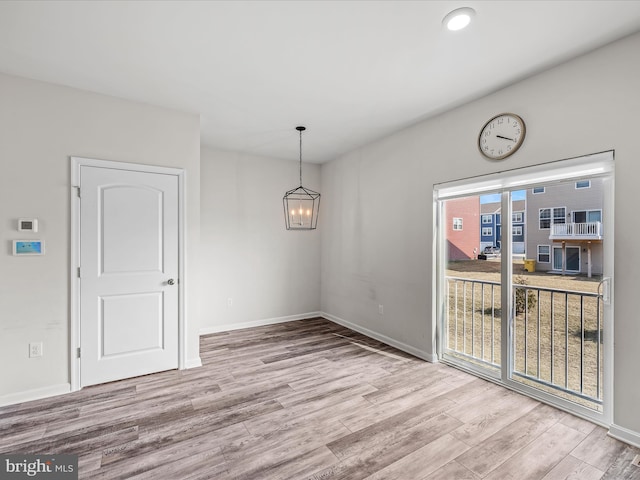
<point x="74" y="341"/>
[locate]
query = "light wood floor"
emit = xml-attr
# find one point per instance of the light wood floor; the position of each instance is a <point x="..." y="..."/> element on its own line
<point x="312" y="400"/>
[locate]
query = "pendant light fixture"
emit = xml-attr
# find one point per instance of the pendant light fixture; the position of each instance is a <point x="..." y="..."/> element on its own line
<point x="301" y="205"/>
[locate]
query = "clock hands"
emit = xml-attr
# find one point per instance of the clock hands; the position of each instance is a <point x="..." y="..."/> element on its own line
<point x="506" y="138"/>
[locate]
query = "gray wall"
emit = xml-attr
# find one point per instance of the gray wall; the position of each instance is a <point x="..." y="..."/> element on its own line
<point x="377" y="237"/>
<point x="375" y="240"/>
<point x="270" y="274"/>
<point x="42" y="125"/>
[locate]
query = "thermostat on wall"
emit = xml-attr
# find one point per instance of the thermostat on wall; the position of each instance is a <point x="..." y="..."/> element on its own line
<point x="28" y="225"/>
<point x="28" y="247"/>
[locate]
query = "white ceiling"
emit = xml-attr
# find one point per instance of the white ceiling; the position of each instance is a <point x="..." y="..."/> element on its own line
<point x="351" y="71"/>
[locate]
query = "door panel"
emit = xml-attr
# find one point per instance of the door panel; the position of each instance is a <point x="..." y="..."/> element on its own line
<point x="557" y="258"/>
<point x="472" y="295"/>
<point x="128" y="254"/>
<point x="140" y="248"/>
<point x="573" y="259"/>
<point x="140" y="315"/>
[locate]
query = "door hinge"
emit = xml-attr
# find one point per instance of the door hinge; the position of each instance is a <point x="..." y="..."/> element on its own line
<point x="78" y="189"/>
<point x="79" y="275"/>
<point x="78" y="352"/>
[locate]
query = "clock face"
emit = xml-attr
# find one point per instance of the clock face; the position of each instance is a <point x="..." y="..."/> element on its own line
<point x="501" y="136"/>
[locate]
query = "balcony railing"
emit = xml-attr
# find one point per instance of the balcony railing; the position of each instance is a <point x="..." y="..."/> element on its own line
<point x="556" y="335"/>
<point x="576" y="231"/>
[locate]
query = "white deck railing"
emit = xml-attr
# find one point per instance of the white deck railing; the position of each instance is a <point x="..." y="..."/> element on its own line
<point x="586" y="231"/>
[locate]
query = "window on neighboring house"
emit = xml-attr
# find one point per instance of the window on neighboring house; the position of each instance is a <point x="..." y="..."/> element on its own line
<point x="486" y="219"/>
<point x="583" y="184"/>
<point x="559" y="215"/>
<point x="517" y="230"/>
<point x="487" y="231"/>
<point x="594" y="216"/>
<point x="552" y="215"/>
<point x="516" y="217"/>
<point x="587" y="216"/>
<point x="457" y="223"/>
<point x="544" y="255"/>
<point x="545" y="218"/>
<point x="536" y="190"/>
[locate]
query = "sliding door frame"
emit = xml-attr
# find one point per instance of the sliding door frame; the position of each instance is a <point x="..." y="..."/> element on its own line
<point x="599" y="165"/>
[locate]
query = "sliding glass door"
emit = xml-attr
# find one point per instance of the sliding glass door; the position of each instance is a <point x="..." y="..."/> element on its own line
<point x="471" y="283"/>
<point x="531" y="309"/>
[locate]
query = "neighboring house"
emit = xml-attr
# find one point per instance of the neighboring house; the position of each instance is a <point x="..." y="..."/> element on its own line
<point x="491" y="225"/>
<point x="463" y="227"/>
<point x="564" y="227"/>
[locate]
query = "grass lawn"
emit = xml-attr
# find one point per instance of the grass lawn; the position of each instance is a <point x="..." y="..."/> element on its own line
<point x="490" y="270"/>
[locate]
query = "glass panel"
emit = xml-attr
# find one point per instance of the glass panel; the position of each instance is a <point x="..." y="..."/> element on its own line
<point x="543" y="254"/>
<point x="472" y="324"/>
<point x="557" y="325"/>
<point x="573" y="259"/>
<point x="545" y="218"/>
<point x="557" y="258"/>
<point x="594" y="216"/>
<point x="559" y="215"/>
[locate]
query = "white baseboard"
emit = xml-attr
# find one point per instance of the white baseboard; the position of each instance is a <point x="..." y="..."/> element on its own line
<point x="625" y="435"/>
<point x="35" y="394"/>
<point x="416" y="352"/>
<point x="257" y="323"/>
<point x="193" y="362"/>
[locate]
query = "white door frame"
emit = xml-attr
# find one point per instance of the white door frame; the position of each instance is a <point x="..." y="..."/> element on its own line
<point x="74" y="340"/>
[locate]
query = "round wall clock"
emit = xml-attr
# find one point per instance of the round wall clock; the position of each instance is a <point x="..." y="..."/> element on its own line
<point x="501" y="136"/>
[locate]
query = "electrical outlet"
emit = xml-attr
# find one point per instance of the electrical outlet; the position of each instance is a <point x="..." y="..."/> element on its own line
<point x="35" y="349"/>
<point x="229" y="302"/>
<point x="381" y="309"/>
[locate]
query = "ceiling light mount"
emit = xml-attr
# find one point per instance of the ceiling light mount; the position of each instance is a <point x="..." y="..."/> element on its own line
<point x="459" y="18"/>
<point x="301" y="205"/>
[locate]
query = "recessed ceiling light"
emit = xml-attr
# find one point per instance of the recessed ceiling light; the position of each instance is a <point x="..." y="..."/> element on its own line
<point x="458" y="18"/>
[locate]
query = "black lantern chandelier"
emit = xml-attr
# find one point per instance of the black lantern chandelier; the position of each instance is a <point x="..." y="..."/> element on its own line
<point x="301" y="205"/>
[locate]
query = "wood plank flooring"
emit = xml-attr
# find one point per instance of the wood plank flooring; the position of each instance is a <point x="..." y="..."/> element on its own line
<point x="312" y="400"/>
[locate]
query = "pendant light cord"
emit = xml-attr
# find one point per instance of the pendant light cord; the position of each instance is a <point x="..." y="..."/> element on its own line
<point x="300" y="157"/>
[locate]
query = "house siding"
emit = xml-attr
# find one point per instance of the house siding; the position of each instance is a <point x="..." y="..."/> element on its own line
<point x="492" y="209"/>
<point x="566" y="196"/>
<point x="463" y="244"/>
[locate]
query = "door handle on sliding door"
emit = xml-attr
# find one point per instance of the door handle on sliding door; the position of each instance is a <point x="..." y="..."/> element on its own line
<point x="605" y="285"/>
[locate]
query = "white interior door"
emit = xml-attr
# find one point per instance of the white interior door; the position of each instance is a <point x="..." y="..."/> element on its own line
<point x="129" y="273"/>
